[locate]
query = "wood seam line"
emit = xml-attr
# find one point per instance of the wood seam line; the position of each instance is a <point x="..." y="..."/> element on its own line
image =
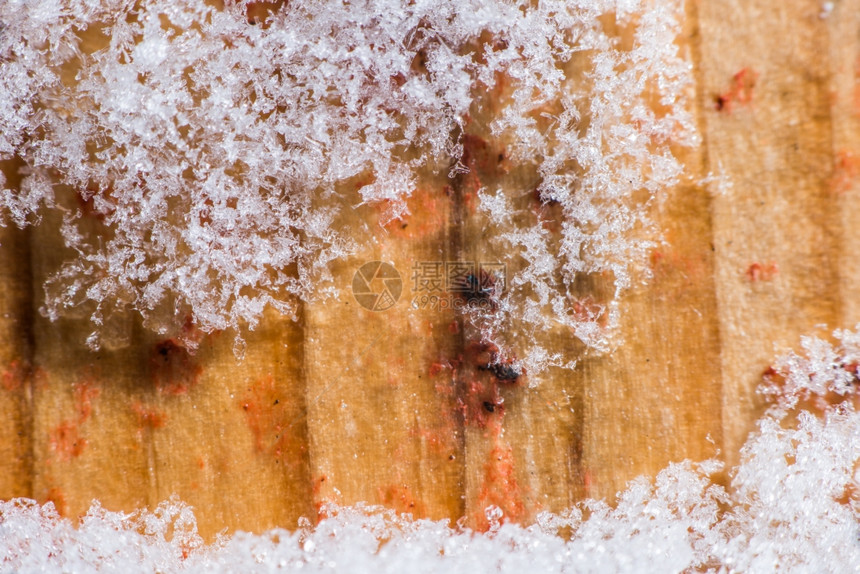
<point x="842" y="205"/>
<point x="28" y="355"/>
<point x="454" y="242"/>
<point x="699" y="103"/>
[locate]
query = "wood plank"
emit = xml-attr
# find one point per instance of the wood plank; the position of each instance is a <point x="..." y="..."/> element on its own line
<point x="655" y="398"/>
<point x="381" y="411"/>
<point x="16" y="396"/>
<point x="522" y="430"/>
<point x="84" y="427"/>
<point x="767" y="121"/>
<point x="494" y="473"/>
<point x="843" y="27"/>
<point x="228" y="436"/>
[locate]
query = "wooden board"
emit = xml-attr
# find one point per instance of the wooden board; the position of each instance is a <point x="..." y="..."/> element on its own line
<point x="349" y="404"/>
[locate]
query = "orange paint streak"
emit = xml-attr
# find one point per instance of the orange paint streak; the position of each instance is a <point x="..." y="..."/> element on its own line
<point x="320" y="484"/>
<point x="66" y="439"/>
<point x="85" y="392"/>
<point x="670" y="263"/>
<point x="274" y="433"/>
<point x="588" y="482"/>
<point x="439" y="440"/>
<point x="500" y="486"/>
<point x="18" y="373"/>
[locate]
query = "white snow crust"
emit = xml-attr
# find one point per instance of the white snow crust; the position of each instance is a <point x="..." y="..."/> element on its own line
<point x="211" y="157"/>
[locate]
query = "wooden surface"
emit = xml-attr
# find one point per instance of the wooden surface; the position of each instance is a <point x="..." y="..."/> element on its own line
<point x="349" y="405"/>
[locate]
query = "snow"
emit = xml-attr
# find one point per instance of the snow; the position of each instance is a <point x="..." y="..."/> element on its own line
<point x="214" y="154"/>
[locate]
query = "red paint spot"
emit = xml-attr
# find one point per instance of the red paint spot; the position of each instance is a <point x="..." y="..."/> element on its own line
<point x="148" y="418"/>
<point x="438" y="440"/>
<point x="265" y="407"/>
<point x="58" y="498"/>
<point x="174" y="370"/>
<point x="66" y="439"/>
<point x="18" y="372"/>
<point x="454" y="327"/>
<point x="673" y="264"/>
<point x="845" y="172"/>
<point x="321" y="501"/>
<point x="426" y="215"/>
<point x="762" y="271"/>
<point x="399" y="497"/>
<point x="741" y="91"/>
<point x="85" y="393"/>
<point x="773" y="376"/>
<point x="190" y="335"/>
<point x="14" y="375"/>
<point x="437" y="367"/>
<point x="588" y="481"/>
<point x="479" y="401"/>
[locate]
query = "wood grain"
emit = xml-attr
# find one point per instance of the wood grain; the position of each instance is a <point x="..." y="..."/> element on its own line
<point x="16" y="393"/>
<point x="382" y="420"/>
<point x="774" y="229"/>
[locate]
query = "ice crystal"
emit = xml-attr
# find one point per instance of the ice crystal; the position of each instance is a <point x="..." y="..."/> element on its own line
<point x="198" y="161"/>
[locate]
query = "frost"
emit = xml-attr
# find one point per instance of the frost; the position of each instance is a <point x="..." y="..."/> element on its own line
<point x="793" y="505"/>
<point x="199" y="163"/>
